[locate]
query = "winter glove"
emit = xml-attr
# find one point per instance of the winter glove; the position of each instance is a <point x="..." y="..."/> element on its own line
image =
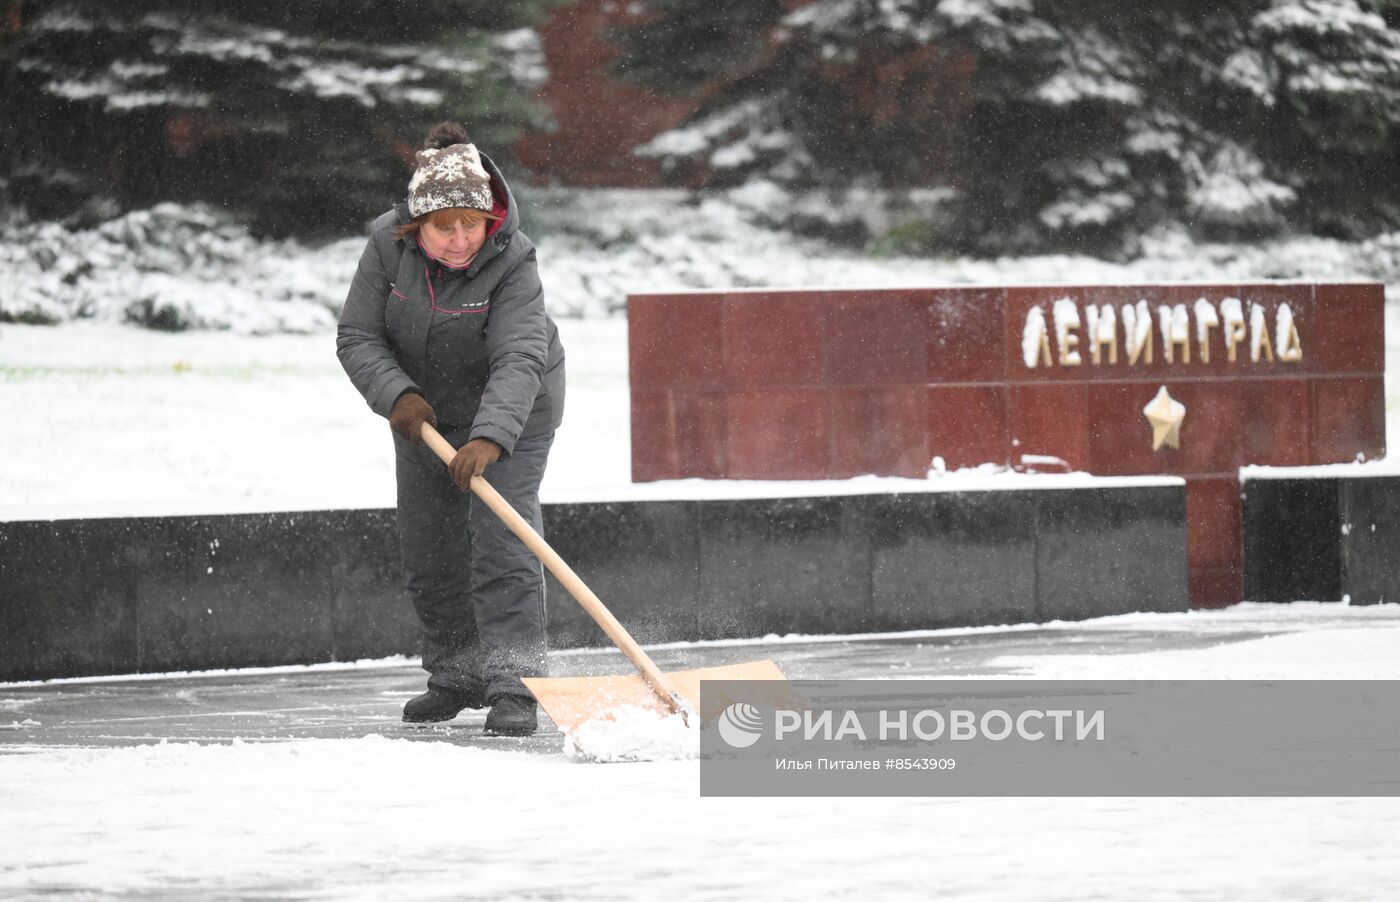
<point x="409" y="414"/>
<point x="471" y="459"/>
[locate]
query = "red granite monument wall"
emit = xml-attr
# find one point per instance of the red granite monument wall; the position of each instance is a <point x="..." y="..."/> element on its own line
<point x="828" y="385"/>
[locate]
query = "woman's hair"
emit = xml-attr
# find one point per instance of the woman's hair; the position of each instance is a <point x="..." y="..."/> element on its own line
<point x="442" y="219"/>
<point x="444" y="134"/>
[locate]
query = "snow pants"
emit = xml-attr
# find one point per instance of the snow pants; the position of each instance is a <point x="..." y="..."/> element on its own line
<point x="477" y="590"/>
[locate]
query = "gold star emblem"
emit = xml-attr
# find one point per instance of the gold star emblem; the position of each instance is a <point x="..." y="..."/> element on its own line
<point x="1165" y="414"/>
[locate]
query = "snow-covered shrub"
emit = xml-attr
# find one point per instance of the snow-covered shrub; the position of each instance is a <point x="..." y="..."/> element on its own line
<point x="188" y="267"/>
<point x="171" y="267"/>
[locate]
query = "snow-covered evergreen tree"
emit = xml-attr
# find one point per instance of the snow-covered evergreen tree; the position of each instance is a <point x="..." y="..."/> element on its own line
<point x="1053" y="125"/>
<point x="1326" y="75"/>
<point x="299" y="116"/>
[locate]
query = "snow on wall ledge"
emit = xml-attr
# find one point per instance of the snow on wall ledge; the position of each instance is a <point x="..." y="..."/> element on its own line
<point x="828" y="384"/>
<point x="131" y="595"/>
<point x="979" y="479"/>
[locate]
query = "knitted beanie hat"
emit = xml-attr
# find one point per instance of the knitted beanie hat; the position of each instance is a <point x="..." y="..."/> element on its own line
<point x="449" y="177"/>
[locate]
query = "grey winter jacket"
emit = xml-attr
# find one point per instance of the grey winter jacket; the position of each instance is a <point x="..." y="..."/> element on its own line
<point x="475" y="343"/>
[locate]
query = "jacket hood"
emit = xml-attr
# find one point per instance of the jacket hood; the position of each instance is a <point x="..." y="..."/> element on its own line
<point x="503" y="196"/>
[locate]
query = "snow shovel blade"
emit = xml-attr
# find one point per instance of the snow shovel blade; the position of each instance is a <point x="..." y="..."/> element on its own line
<point x="572" y="701"/>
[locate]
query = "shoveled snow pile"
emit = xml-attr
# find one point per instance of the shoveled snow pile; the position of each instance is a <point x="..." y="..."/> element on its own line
<point x="634" y="733"/>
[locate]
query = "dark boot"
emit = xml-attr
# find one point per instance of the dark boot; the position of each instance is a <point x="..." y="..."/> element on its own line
<point x="512" y="715"/>
<point x="439" y="704"/>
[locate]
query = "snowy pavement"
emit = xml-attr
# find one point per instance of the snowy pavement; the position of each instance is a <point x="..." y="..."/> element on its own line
<point x="300" y="783"/>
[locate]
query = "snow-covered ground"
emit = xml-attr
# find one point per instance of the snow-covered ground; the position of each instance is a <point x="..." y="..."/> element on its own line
<point x="379" y="817"/>
<point x="102" y="418"/>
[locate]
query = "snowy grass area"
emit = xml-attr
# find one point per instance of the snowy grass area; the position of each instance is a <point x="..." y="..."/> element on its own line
<point x="378" y="818"/>
<point x="104" y="419"/>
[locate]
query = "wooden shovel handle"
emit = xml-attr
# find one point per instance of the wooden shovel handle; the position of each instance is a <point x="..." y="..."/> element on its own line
<point x="565" y="574"/>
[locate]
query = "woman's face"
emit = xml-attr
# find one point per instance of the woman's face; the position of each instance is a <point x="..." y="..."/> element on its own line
<point x="456" y="245"/>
